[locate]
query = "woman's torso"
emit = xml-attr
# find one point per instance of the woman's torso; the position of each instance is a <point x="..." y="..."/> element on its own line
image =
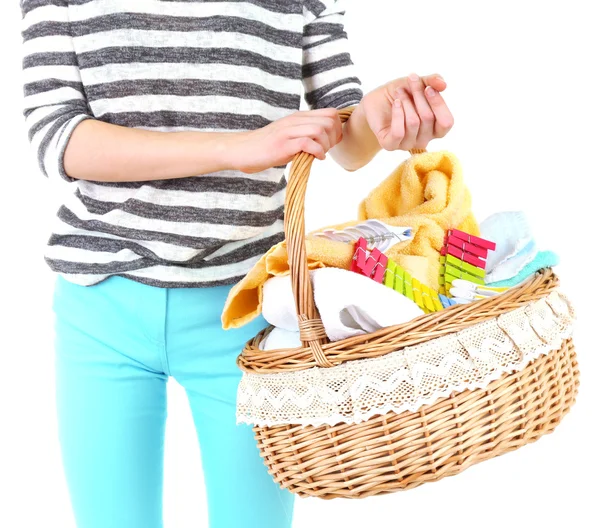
<point x="180" y="66"/>
<point x="175" y="65"/>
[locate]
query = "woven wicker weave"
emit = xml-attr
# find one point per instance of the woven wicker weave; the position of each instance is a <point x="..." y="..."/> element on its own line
<point x="401" y="451"/>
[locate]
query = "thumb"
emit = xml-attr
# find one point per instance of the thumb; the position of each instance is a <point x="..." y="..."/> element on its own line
<point x="436" y="81"/>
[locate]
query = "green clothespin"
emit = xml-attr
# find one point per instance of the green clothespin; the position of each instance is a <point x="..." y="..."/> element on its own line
<point x="465" y="266"/>
<point x="390" y="274"/>
<point x="408" y="286"/>
<point x="399" y="280"/>
<point x="454" y="273"/>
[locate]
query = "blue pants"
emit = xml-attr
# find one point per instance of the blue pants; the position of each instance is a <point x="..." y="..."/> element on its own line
<point x="117" y="343"/>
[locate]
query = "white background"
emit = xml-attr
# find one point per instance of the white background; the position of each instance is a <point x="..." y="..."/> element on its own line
<point x="523" y="85"/>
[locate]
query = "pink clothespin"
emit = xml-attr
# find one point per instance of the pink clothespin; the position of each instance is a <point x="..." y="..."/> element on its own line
<point x="465" y="257"/>
<point x="472" y="239"/>
<point x="370" y="264"/>
<point x="360" y="256"/>
<point x="380" y="266"/>
<point x="467" y="247"/>
<point x="369" y="268"/>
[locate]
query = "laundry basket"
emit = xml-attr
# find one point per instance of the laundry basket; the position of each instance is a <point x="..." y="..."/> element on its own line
<point x="407" y="404"/>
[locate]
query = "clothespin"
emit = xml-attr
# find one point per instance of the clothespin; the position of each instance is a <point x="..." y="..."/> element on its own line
<point x="399" y="280"/>
<point x="442" y="276"/>
<point x="464" y="266"/>
<point x="445" y="301"/>
<point x="390" y="274"/>
<point x="470" y="296"/>
<point x="466" y="247"/>
<point x="468" y="285"/>
<point x="453" y="273"/>
<point x="380" y="266"/>
<point x="437" y="302"/>
<point x="418" y="296"/>
<point x="472" y="239"/>
<point x="360" y="255"/>
<point x="465" y="257"/>
<point x="427" y="301"/>
<point x="407" y="286"/>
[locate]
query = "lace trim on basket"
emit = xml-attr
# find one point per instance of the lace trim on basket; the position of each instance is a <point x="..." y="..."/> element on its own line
<point x="409" y="378"/>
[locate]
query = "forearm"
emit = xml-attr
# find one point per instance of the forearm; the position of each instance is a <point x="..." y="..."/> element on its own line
<point x="359" y="145"/>
<point x="103" y="152"/>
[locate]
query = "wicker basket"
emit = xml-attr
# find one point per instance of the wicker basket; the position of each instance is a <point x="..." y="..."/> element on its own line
<point x="392" y="452"/>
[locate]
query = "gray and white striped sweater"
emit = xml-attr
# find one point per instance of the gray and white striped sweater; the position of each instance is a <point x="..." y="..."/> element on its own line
<point x="174" y="65"/>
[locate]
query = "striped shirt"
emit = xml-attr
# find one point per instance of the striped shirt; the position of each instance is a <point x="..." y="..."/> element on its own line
<point x="174" y="65"/>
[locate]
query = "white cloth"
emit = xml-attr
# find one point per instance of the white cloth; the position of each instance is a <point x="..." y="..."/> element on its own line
<point x="349" y="304"/>
<point x="278" y="307"/>
<point x="278" y="339"/>
<point x="515" y="245"/>
<point x="512" y="266"/>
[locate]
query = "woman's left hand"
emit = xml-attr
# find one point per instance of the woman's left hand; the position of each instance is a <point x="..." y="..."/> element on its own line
<point x="408" y="113"/>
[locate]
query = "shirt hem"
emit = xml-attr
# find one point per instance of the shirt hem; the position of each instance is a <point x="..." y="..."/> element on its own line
<point x="156" y="282"/>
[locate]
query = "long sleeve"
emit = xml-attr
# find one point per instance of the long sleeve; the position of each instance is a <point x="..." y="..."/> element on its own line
<point x="55" y="102"/>
<point x="328" y="72"/>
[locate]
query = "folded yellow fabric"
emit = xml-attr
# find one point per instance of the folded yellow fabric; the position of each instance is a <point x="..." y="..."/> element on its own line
<point x="426" y="193"/>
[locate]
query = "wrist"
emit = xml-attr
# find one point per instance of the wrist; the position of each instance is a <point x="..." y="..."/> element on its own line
<point x="206" y="152"/>
<point x="359" y="144"/>
<point x="227" y="149"/>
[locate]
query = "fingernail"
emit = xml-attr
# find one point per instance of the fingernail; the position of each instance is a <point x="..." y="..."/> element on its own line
<point x="413" y="77"/>
<point x="430" y="92"/>
<point x="398" y="103"/>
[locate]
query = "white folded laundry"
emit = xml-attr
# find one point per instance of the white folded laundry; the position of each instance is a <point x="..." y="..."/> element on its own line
<point x="511" y="267"/>
<point x="279" y="338"/>
<point x="278" y="303"/>
<point x="349" y="304"/>
<point x="515" y="245"/>
<point x="510" y="231"/>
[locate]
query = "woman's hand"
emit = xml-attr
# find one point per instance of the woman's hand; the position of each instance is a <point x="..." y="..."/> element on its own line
<point x="408" y="113"/>
<point x="314" y="132"/>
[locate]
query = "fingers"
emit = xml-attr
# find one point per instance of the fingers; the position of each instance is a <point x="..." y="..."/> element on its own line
<point x="444" y="120"/>
<point x="312" y="131"/>
<point x="398" y="129"/>
<point x="328" y="118"/>
<point x="411" y="123"/>
<point x="424" y="111"/>
<point x="315" y="132"/>
<point x="310" y="146"/>
<point x="436" y="81"/>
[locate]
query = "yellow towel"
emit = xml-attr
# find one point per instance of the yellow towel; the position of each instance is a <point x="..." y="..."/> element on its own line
<point x="426" y="193"/>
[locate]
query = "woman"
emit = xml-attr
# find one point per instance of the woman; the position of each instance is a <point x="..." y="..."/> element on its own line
<point x="174" y="120"/>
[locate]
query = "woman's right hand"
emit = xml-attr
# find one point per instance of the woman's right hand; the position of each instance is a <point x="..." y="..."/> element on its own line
<point x="314" y="132"/>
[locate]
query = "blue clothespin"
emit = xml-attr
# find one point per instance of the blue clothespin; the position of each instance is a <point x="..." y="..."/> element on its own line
<point x="445" y="301"/>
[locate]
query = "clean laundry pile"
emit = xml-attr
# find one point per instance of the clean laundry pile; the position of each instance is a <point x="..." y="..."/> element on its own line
<point x="376" y="293"/>
<point x="415" y="249"/>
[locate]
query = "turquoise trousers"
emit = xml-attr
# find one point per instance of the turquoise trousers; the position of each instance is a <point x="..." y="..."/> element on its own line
<point x="117" y="344"/>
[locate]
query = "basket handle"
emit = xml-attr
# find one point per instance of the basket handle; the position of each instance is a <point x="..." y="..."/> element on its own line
<point x="312" y="331"/>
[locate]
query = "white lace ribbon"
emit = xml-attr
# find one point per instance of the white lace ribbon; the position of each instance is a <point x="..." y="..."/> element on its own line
<point x="409" y="378"/>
